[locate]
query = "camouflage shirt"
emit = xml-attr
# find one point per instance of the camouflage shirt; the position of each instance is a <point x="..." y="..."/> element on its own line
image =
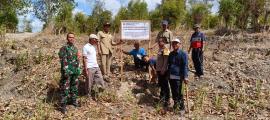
<point x="68" y="55"/>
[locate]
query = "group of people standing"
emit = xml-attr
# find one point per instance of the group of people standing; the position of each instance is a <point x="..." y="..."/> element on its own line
<point x="170" y="64"/>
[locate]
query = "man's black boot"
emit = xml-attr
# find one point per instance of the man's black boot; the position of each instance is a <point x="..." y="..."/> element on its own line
<point x="75" y="104"/>
<point x="63" y="109"/>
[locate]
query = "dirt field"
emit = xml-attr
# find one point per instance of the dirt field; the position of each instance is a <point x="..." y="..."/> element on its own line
<point x="236" y="84"/>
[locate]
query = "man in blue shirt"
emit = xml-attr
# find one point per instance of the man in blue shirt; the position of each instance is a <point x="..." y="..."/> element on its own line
<point x="178" y="72"/>
<point x="138" y="54"/>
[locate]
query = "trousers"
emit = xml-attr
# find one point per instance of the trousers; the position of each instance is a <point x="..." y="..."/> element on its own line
<point x="94" y="76"/>
<point x="68" y="88"/>
<point x="197" y="58"/>
<point x="106" y="60"/>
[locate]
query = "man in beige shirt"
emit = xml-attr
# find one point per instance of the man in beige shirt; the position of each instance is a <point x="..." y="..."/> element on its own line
<point x="164" y="33"/>
<point x="161" y="69"/>
<point x="105" y="48"/>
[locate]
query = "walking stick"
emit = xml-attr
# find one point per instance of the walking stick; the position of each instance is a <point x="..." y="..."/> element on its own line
<point x="186" y="89"/>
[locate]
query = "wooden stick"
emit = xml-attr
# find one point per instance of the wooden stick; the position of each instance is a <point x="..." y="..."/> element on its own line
<point x="121" y="62"/>
<point x="186" y="89"/>
<point x="149" y="55"/>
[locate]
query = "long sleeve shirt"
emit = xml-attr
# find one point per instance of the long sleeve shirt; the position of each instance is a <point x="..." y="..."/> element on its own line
<point x="178" y="64"/>
<point x="68" y="55"/>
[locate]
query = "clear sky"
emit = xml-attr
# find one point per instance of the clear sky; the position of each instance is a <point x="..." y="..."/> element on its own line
<point x="86" y="7"/>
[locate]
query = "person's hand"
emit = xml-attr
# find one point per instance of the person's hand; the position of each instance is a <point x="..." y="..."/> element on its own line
<point x="79" y="55"/>
<point x="186" y="81"/>
<point x="99" y="53"/>
<point x="203" y="49"/>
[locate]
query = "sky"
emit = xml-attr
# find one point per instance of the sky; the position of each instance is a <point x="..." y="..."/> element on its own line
<point x="86" y="7"/>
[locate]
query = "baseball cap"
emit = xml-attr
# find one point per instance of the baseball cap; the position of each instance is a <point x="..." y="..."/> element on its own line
<point x="165" y="22"/>
<point x="176" y="40"/>
<point x="196" y="26"/>
<point x="93" y="36"/>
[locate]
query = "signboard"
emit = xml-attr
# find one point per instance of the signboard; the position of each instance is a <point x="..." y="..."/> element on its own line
<point x="135" y="30"/>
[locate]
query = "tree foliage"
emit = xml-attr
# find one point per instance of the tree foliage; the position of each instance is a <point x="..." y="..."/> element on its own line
<point x="80" y="22"/>
<point x="173" y="11"/>
<point x="27" y="25"/>
<point x="45" y="10"/>
<point x="63" y="19"/>
<point x="9" y="9"/>
<point x="137" y="10"/>
<point x="98" y="17"/>
<point x="121" y="15"/>
<point x="155" y="17"/>
<point x="227" y="11"/>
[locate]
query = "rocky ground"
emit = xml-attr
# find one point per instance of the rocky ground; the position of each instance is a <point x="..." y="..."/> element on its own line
<point x="236" y="84"/>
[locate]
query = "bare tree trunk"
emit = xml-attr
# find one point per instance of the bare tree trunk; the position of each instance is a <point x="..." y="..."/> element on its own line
<point x="49" y="28"/>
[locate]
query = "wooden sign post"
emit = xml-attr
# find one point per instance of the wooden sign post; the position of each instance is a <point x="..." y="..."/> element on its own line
<point x="134" y="30"/>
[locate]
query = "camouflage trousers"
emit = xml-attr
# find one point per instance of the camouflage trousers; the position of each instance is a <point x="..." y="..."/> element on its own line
<point x="69" y="88"/>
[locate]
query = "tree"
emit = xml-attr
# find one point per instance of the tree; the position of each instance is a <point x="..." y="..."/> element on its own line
<point x="173" y="11"/>
<point x="137" y="9"/>
<point x="121" y="15"/>
<point x="80" y="21"/>
<point x="27" y="25"/>
<point x="9" y="21"/>
<point x="63" y="20"/>
<point x="8" y="13"/>
<point x="45" y="10"/>
<point x="98" y="17"/>
<point x="155" y="19"/>
<point x="257" y="8"/>
<point x="200" y="12"/>
<point x="227" y="10"/>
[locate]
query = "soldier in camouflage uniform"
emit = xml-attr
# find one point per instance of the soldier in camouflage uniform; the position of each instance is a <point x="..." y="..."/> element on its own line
<point x="70" y="70"/>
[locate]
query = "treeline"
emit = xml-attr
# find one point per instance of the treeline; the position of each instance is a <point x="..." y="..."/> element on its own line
<point x="181" y="14"/>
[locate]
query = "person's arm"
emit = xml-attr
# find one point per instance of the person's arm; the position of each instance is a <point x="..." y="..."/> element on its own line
<point x="168" y="62"/>
<point x="99" y="44"/>
<point x="165" y="64"/>
<point x="152" y="67"/>
<point x="127" y="53"/>
<point x="156" y="42"/>
<point x="190" y="47"/>
<point x="185" y="64"/>
<point x="203" y="42"/>
<point x="63" y="61"/>
<point x="85" y="66"/>
<point x="115" y="44"/>
<point x="144" y="53"/>
<point x="85" y="62"/>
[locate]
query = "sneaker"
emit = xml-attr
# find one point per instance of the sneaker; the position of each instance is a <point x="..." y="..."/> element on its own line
<point x="201" y="77"/>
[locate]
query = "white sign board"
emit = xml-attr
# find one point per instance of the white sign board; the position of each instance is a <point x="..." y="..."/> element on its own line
<point x="135" y="30"/>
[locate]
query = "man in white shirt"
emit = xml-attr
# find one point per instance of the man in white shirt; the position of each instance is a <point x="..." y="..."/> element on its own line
<point x="91" y="68"/>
